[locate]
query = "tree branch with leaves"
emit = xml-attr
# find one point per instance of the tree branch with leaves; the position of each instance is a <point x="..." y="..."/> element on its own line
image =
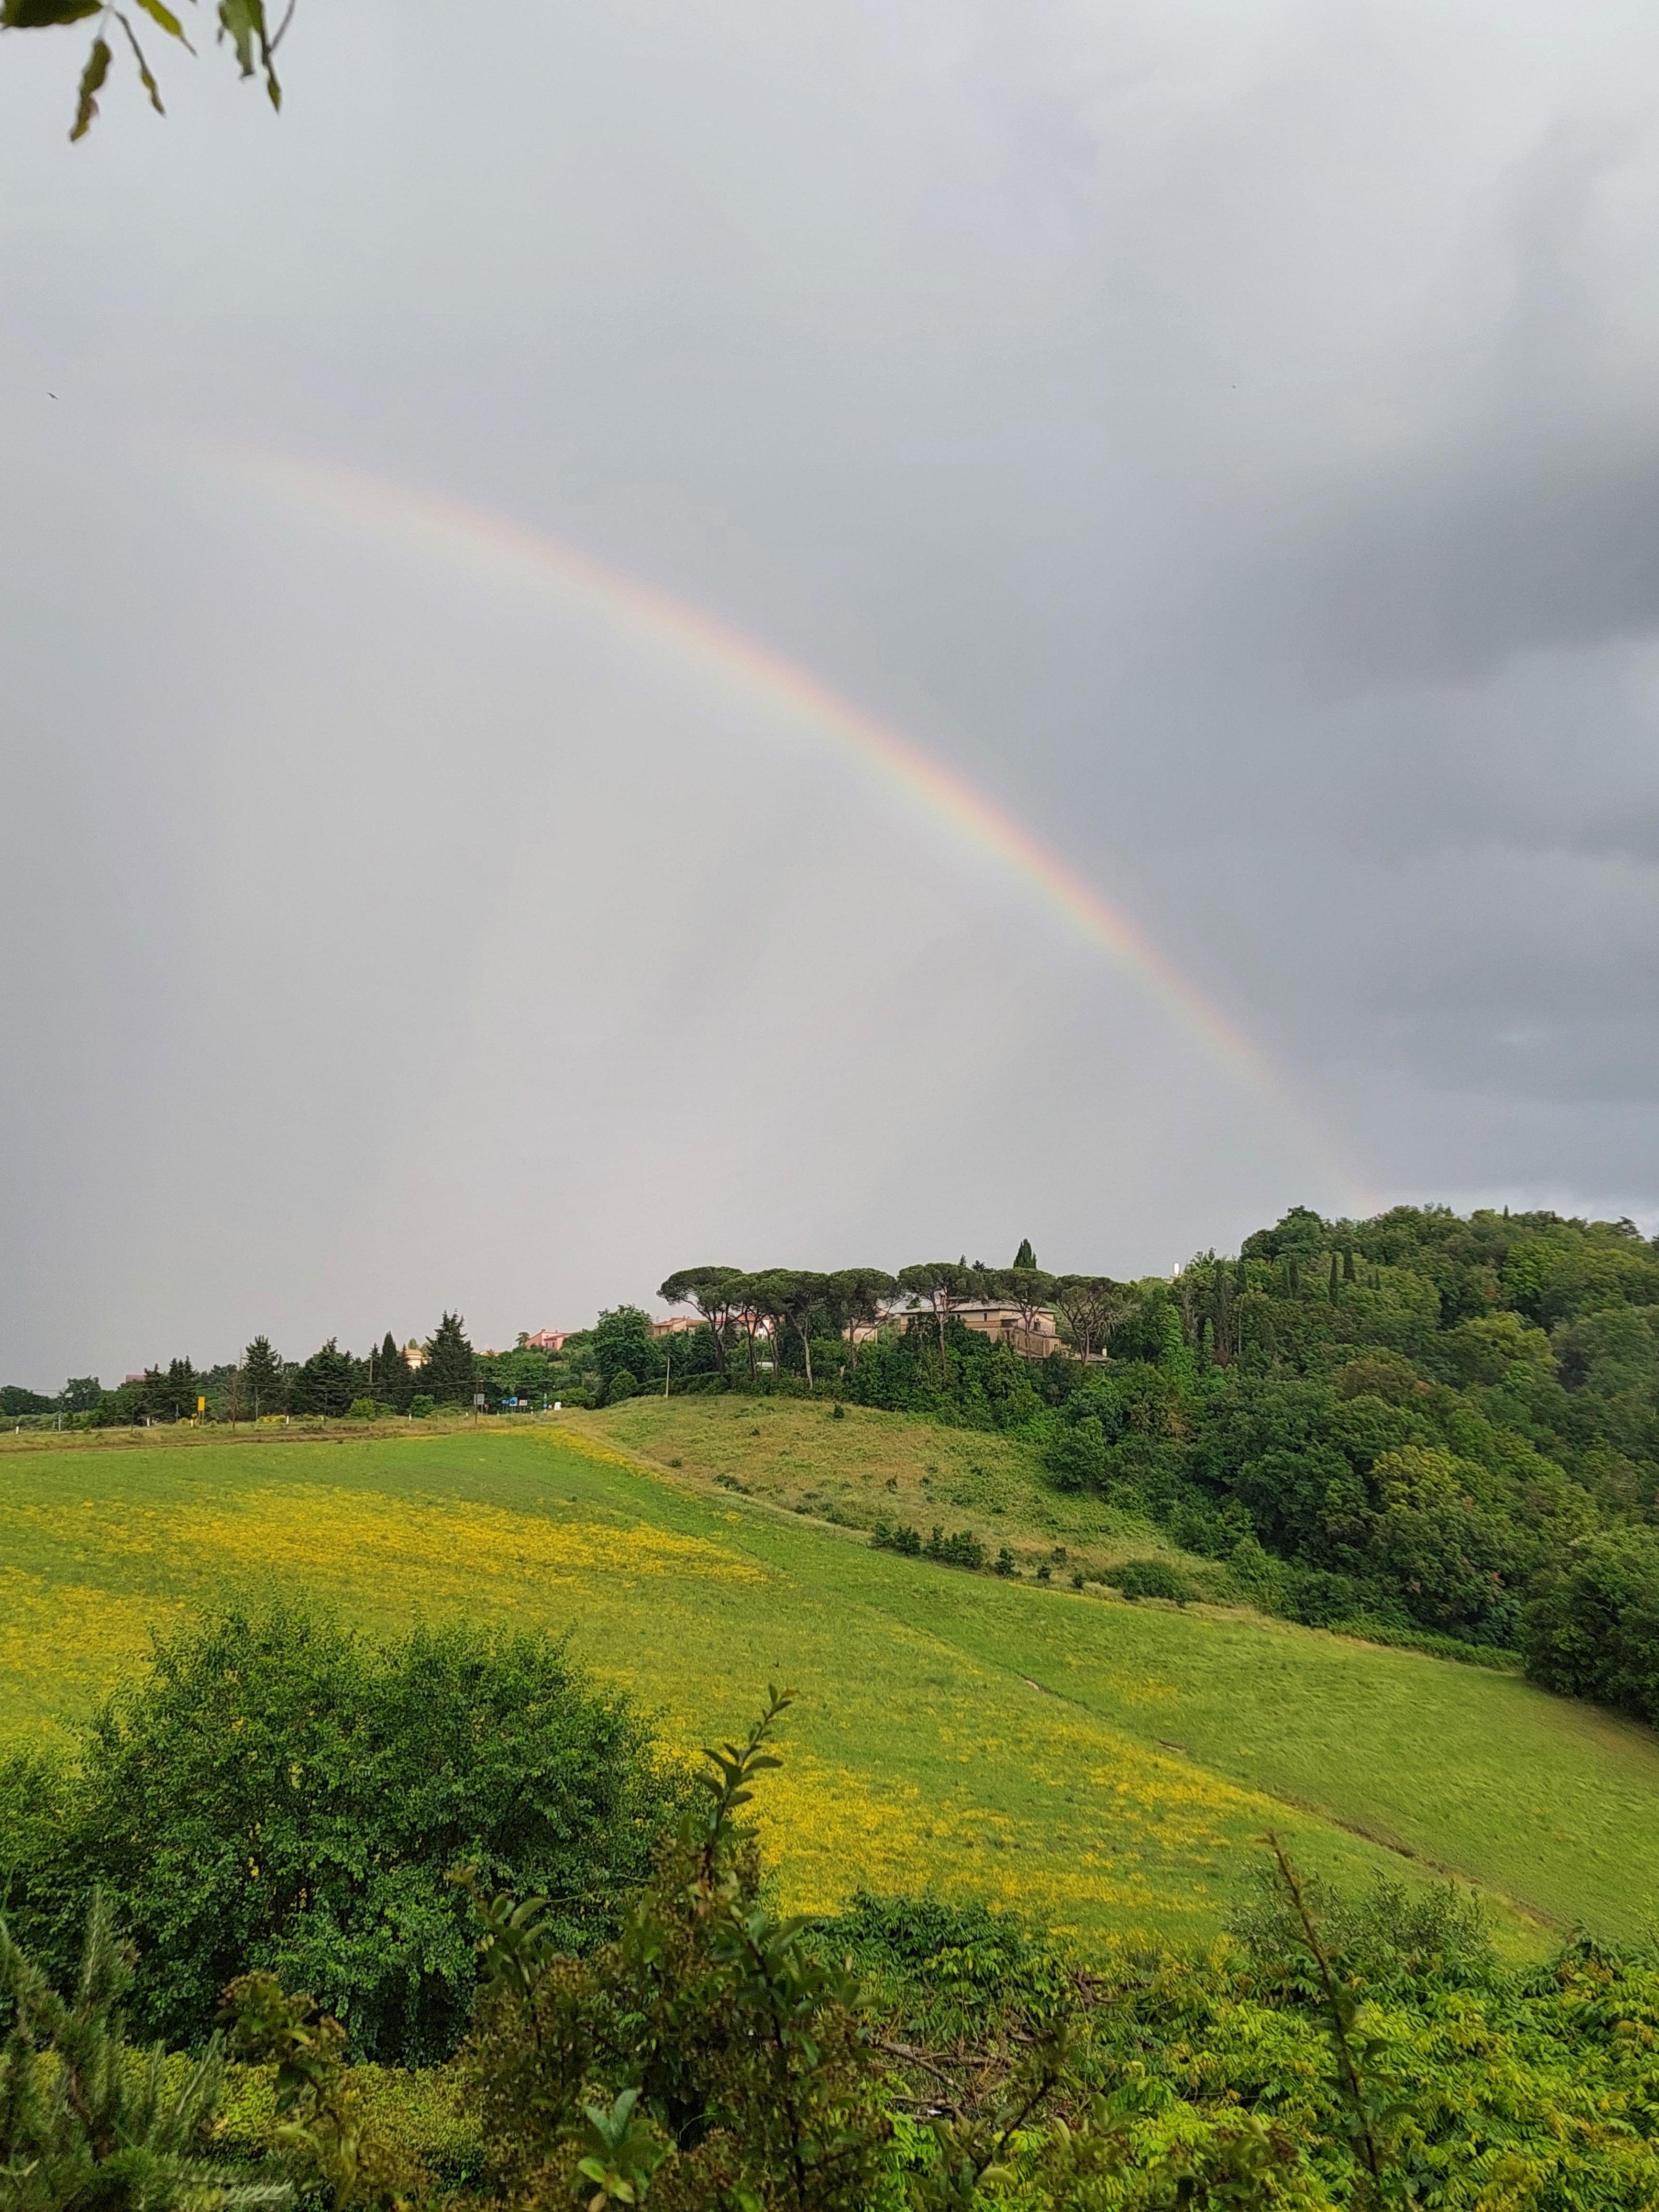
<point x="241" y="25"/>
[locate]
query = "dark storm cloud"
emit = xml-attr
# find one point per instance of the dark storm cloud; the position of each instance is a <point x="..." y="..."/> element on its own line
<point x="1225" y="431"/>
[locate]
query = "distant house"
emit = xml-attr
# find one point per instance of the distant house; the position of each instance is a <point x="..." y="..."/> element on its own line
<point x="677" y="1325"/>
<point x="413" y="1353"/>
<point x="547" y="1340"/>
<point x="1007" y="1324"/>
<point x="986" y="1317"/>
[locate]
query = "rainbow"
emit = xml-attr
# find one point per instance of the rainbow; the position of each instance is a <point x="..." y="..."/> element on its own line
<point x="498" y="550"/>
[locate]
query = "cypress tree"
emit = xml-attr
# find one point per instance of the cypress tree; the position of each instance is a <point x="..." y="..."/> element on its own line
<point x="1348" y="1275"/>
<point x="327" y="1382"/>
<point x="1334" y="1289"/>
<point x="1293" y="1271"/>
<point x="1025" y="1257"/>
<point x="394" y="1378"/>
<point x="173" y="1396"/>
<point x="450" y="1371"/>
<point x="264" y="1383"/>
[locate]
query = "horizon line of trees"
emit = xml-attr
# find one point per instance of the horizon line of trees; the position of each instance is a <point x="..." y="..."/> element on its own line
<point x="745" y="1310"/>
<point x="328" y="1384"/>
<point x="740" y="1307"/>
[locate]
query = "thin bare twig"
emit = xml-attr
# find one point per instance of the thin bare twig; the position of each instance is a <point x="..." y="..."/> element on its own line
<point x="1292" y="1882"/>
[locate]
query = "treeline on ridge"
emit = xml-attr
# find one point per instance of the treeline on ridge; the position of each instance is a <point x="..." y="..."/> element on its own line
<point x="1420" y="1426"/>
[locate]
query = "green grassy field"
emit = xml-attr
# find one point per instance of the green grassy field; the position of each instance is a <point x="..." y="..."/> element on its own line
<point x="1106" y="1765"/>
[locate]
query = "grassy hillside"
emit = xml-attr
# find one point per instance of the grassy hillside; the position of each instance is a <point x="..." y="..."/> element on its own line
<point x="869" y="1465"/>
<point x="1105" y="1764"/>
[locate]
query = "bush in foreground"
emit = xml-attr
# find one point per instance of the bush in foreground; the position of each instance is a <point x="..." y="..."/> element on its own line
<point x="85" y="2120"/>
<point x="281" y="1793"/>
<point x="914" y="2055"/>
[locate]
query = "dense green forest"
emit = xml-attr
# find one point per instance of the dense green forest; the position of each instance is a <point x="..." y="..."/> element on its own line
<point x="1424" y="1425"/>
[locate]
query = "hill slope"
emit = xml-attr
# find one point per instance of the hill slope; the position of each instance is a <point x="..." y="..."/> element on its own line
<point x="1105" y="1764"/>
<point x="867" y="1465"/>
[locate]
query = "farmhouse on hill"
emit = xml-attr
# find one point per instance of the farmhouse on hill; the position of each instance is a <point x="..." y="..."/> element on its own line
<point x="991" y="1317"/>
<point x="986" y="1317"/>
<point x="1007" y="1324"/>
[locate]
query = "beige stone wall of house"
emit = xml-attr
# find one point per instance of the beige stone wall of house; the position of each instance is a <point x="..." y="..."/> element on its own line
<point x="1006" y="1324"/>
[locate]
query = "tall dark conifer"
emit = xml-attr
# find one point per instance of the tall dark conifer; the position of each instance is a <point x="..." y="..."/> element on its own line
<point x="265" y="1382"/>
<point x="1025" y="1257"/>
<point x="327" y="1382"/>
<point x="450" y="1374"/>
<point x="394" y="1378"/>
<point x="171" y="1396"/>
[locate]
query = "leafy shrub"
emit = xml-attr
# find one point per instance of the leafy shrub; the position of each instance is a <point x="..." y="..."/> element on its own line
<point x="946" y="1972"/>
<point x="621" y="1387"/>
<point x="323" y="2130"/>
<point x="422" y="1405"/>
<point x="1593" y="1630"/>
<point x="1492" y="1656"/>
<point x="424" y="2113"/>
<point x="1076" y="1456"/>
<point x="1152" y="1578"/>
<point x="370" y="1409"/>
<point x="282" y="1793"/>
<point x="1394" y="1937"/>
<point x="86" y="2121"/>
<point x="708" y="2054"/>
<point x="962" y="1548"/>
<point x="902" y="1537"/>
<point x="1320" y="1600"/>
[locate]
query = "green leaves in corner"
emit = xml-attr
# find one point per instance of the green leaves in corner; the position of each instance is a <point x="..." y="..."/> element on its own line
<point x="92" y="83"/>
<point x="42" y="14"/>
<point x="242" y="22"/>
<point x="98" y="61"/>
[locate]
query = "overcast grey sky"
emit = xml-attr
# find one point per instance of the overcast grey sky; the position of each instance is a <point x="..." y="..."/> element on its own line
<point x="1227" y="433"/>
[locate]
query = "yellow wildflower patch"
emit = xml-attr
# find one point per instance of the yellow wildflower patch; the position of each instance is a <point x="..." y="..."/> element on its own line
<point x="51" y="1630"/>
<point x="440" y="1550"/>
<point x="831" y="1830"/>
